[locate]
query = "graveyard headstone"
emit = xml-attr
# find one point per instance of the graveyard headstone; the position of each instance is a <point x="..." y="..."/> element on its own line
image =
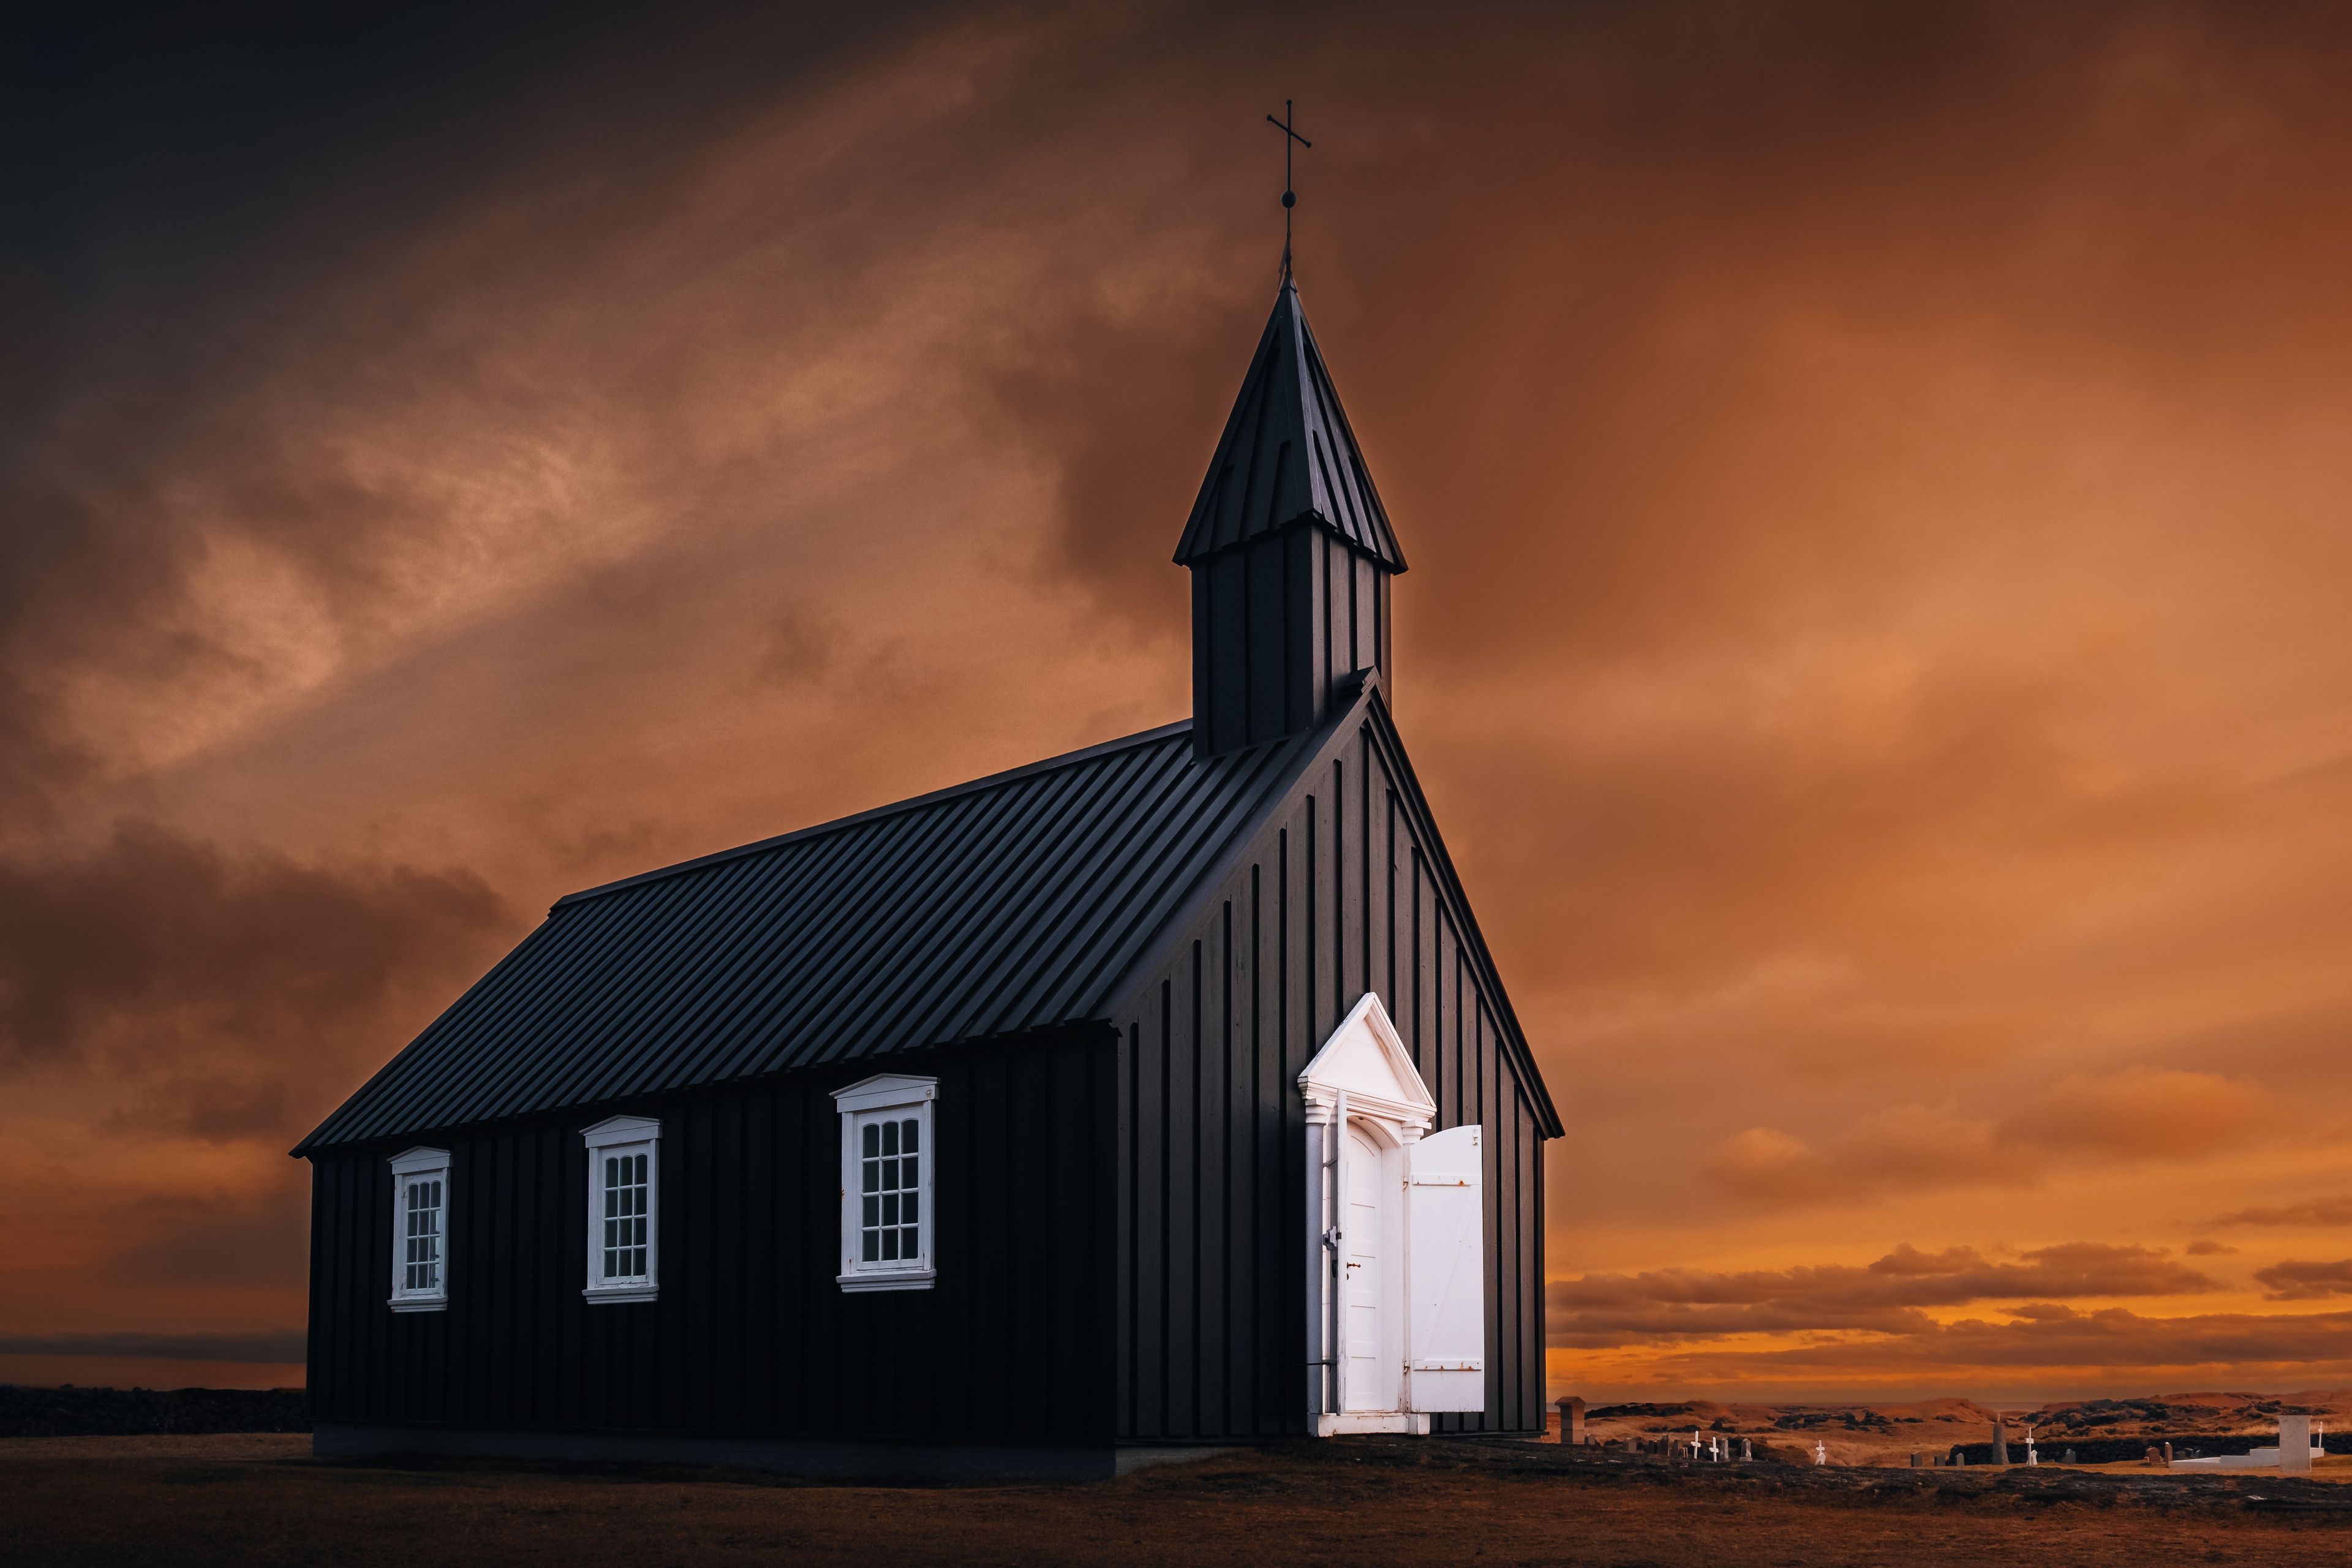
<point x="2295" y="1444"/>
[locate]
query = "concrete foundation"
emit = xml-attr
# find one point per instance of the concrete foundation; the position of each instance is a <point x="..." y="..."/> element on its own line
<point x="799" y="1457"/>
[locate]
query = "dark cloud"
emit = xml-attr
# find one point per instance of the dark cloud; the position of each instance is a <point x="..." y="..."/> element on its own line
<point x="2138" y="1114"/>
<point x="2294" y="1280"/>
<point x="1529" y="316"/>
<point x="2052" y="1335"/>
<point x="2141" y="1113"/>
<point x="2205" y="1246"/>
<point x="214" y="987"/>
<point x="212" y="1105"/>
<point x="1874" y="640"/>
<point x="1129" y="445"/>
<point x="60" y="560"/>
<point x="216" y="1240"/>
<point x="801" y="643"/>
<point x="1888" y="1296"/>
<point x="192" y="262"/>
<point x="2333" y="1210"/>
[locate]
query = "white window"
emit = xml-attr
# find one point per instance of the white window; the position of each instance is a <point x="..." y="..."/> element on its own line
<point x="887" y="1155"/>
<point x="623" y="1209"/>
<point x="420" y="1230"/>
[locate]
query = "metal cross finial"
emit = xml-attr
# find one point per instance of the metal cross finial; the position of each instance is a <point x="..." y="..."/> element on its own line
<point x="1289" y="196"/>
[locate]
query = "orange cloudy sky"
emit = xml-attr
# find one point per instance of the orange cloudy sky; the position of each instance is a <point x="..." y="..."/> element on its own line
<point x="1876" y="483"/>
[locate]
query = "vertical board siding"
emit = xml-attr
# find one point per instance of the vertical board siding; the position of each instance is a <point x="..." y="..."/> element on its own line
<point x="1120" y="1211"/>
<point x="750" y="1335"/>
<point x="1277" y="620"/>
<point x="1338" y="895"/>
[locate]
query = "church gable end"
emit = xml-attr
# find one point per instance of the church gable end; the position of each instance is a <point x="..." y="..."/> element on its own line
<point x="1344" y="888"/>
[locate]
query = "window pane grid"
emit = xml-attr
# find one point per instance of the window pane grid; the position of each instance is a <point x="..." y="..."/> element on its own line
<point x="420" y="1270"/>
<point x="890" y="1191"/>
<point x="625" y="1215"/>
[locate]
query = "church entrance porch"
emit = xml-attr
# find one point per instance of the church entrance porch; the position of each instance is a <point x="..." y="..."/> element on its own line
<point x="1396" y="1289"/>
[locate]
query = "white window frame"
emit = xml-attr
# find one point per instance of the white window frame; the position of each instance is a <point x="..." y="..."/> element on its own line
<point x="409" y="1169"/>
<point x="617" y="1136"/>
<point x="892" y="1096"/>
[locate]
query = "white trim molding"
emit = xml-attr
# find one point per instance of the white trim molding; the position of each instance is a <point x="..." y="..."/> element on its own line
<point x="1405" y="1338"/>
<point x="420" y="1231"/>
<point x="629" y="1237"/>
<point x="1408" y="1422"/>
<point x="1395" y="1096"/>
<point x="890" y="1152"/>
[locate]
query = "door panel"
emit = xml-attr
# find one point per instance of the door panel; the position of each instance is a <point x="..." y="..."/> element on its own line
<point x="1369" y="1249"/>
<point x="1446" y="1317"/>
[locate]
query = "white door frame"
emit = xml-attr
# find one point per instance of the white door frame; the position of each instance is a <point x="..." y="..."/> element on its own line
<point x="1362" y="1077"/>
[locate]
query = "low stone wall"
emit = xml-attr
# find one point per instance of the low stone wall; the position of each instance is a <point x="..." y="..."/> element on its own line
<point x="129" y="1412"/>
<point x="2134" y="1450"/>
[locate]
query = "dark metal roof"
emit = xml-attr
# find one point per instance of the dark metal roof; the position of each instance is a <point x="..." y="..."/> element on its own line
<point x="1287" y="454"/>
<point x="1014" y="902"/>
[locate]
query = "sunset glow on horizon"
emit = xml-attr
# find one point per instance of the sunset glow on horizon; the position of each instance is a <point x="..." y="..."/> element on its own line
<point x="1878" y="493"/>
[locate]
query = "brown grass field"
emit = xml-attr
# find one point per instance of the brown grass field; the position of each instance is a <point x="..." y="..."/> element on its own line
<point x="262" y="1500"/>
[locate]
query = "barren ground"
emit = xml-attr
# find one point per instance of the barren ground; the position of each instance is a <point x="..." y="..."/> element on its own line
<point x="262" y="1500"/>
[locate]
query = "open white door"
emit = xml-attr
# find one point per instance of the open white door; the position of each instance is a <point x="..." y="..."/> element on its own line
<point x="1445" y="1254"/>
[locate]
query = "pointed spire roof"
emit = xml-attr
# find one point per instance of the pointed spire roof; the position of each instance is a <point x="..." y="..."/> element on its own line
<point x="1287" y="454"/>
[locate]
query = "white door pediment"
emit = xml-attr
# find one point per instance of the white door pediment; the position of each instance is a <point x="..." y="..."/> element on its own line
<point x="1365" y="1059"/>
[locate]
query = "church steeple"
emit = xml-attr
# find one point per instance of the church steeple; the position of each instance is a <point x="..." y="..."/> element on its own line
<point x="1290" y="551"/>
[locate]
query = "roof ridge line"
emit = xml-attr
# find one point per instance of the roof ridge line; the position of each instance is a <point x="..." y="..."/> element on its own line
<point x="989" y="781"/>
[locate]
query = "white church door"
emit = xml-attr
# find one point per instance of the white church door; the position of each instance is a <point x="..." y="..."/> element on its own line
<point x="1372" y="1255"/>
<point x="1395" y="1234"/>
<point x="1446" y="1231"/>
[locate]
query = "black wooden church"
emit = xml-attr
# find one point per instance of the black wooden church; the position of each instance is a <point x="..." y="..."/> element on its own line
<point x="1156" y="1095"/>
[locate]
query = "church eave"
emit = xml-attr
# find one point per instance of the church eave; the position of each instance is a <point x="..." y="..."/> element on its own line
<point x="1311" y="519"/>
